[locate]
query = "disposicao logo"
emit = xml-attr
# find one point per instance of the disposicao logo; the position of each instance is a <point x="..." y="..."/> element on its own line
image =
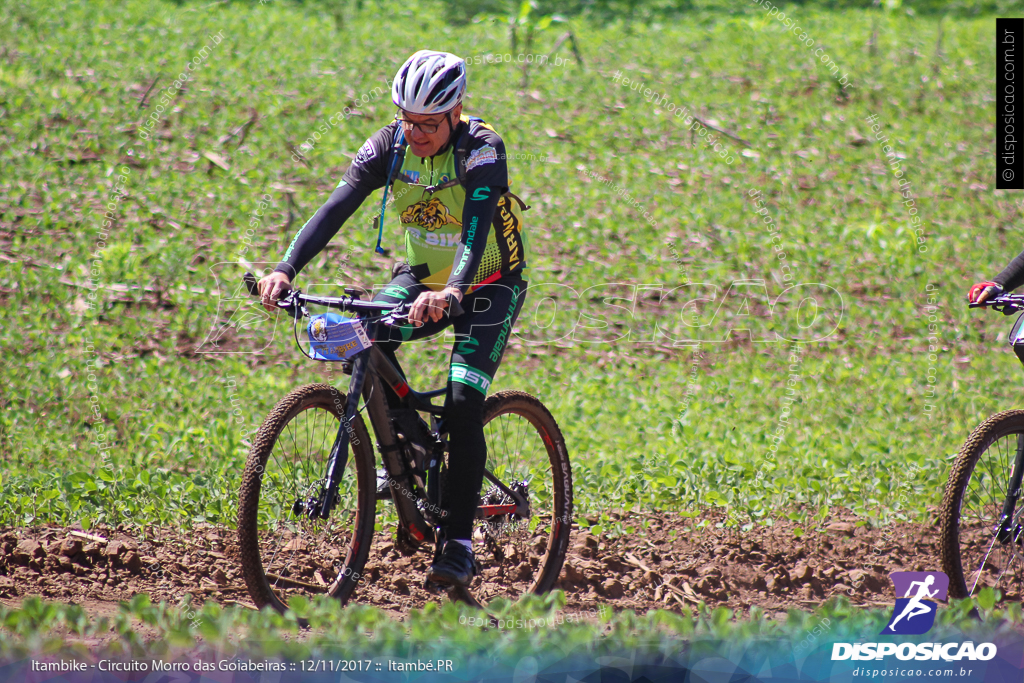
<point x="914" y="614"/>
<point x="947" y="652"/>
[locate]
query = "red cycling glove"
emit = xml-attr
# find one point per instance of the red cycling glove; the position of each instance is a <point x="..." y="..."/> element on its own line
<point x="983" y="291"/>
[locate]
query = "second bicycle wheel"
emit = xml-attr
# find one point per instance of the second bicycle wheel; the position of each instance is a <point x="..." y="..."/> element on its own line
<point x="284" y="553"/>
<point x="526" y="452"/>
<point x="973" y="556"/>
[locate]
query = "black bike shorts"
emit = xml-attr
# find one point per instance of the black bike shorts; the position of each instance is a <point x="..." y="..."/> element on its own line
<point x="481" y="333"/>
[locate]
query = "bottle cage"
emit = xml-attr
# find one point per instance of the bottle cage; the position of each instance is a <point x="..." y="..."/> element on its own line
<point x="398" y="158"/>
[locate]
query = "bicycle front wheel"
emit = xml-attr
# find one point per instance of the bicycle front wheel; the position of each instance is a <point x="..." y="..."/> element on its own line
<point x="525" y="452"/>
<point x="284" y="553"/>
<point x="973" y="556"/>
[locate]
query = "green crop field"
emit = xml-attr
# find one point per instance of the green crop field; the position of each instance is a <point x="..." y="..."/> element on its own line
<point x="133" y="368"/>
<point x="71" y="120"/>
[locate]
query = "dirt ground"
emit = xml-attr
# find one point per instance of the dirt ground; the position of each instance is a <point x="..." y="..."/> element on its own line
<point x="666" y="568"/>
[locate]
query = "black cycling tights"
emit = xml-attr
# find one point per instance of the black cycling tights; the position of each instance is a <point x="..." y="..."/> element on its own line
<point x="467" y="455"/>
<point x="467" y="451"/>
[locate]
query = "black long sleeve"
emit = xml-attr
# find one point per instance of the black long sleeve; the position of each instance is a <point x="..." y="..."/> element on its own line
<point x="318" y="230"/>
<point x="1012" y="276"/>
<point x="477" y="215"/>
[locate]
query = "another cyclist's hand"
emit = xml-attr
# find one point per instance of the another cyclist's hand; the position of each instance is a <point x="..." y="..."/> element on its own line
<point x="983" y="291"/>
<point x="431" y="305"/>
<point x="271" y="288"/>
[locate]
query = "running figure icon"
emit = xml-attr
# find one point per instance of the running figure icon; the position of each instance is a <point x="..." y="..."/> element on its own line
<point x="914" y="613"/>
<point x="915" y="607"/>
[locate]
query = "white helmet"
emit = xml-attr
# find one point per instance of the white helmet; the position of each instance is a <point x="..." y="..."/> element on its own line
<point x="429" y="83"/>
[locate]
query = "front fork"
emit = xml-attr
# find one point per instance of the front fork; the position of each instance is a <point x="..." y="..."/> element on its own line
<point x="1007" y="530"/>
<point x="321" y="506"/>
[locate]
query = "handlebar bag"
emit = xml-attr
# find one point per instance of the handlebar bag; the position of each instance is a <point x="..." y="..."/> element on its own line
<point x="336" y="337"/>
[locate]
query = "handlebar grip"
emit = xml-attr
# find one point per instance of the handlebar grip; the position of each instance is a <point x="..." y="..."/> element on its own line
<point x="250" y="283"/>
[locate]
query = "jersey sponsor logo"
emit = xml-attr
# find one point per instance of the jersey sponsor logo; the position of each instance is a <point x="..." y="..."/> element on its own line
<point x="466" y="347"/>
<point x="479" y="157"/>
<point x="413" y="176"/>
<point x="435" y="239"/>
<point x="396" y="291"/>
<point x="430" y="214"/>
<point x="481" y="193"/>
<point x="464" y="374"/>
<point x="364" y="154"/>
<point x="503" y="334"/>
<point x="469" y="246"/>
<point x="442" y="239"/>
<point x="509" y="241"/>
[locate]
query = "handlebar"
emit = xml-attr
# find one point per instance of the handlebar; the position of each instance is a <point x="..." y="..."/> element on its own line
<point x="295" y="301"/>
<point x="1007" y="304"/>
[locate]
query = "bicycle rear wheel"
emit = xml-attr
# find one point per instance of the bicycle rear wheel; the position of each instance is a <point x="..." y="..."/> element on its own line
<point x="972" y="555"/>
<point x="286" y="554"/>
<point x="526" y="452"/>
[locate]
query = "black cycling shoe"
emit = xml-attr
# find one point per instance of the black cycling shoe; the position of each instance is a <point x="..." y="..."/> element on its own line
<point x="456" y="566"/>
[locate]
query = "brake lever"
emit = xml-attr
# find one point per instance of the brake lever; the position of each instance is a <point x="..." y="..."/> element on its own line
<point x="288" y="303"/>
<point x="397" y="316"/>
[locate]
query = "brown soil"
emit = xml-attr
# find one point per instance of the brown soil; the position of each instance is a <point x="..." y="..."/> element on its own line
<point x="663" y="566"/>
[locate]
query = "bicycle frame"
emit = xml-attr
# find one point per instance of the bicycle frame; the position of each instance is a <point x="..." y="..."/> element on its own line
<point x="376" y="366"/>
<point x="369" y="368"/>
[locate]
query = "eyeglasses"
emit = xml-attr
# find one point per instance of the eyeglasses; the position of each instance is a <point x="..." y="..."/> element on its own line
<point x="428" y="128"/>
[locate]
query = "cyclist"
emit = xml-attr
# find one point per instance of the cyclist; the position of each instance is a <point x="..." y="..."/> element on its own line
<point x="463" y="238"/>
<point x="1011" y="278"/>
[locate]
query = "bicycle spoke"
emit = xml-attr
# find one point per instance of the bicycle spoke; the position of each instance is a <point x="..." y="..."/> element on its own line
<point x="323" y="439"/>
<point x="1013" y="556"/>
<point x="984" y="560"/>
<point x="519" y="442"/>
<point x="504" y="437"/>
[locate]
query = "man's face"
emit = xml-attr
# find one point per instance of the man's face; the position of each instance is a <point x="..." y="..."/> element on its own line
<point x="427" y="144"/>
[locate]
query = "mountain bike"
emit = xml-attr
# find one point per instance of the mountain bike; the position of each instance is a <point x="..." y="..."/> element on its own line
<point x="982" y="523"/>
<point x="308" y="500"/>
